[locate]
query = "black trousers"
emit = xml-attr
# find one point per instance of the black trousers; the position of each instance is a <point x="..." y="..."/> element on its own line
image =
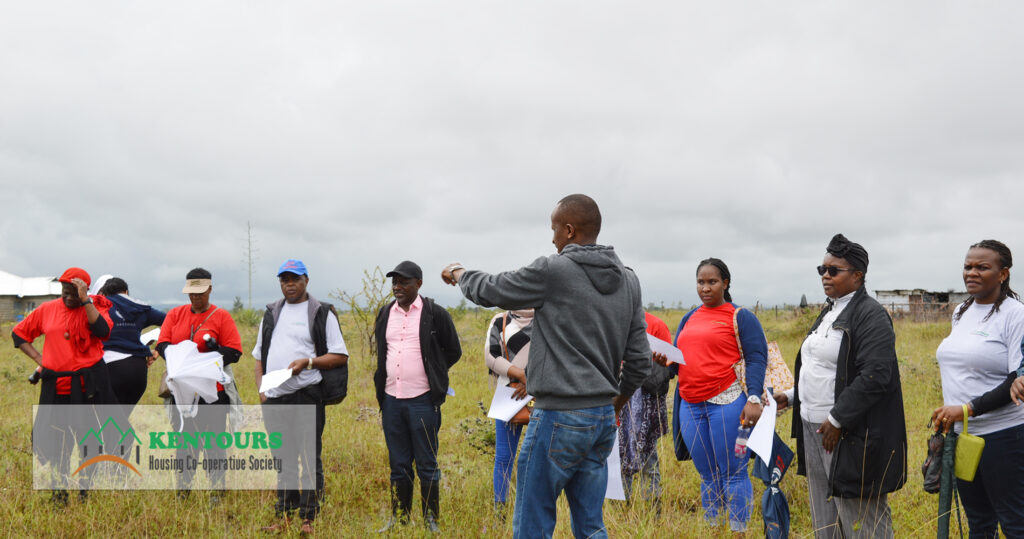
<point x="128" y="379"/>
<point x="307" y="499"/>
<point x="209" y="419"/>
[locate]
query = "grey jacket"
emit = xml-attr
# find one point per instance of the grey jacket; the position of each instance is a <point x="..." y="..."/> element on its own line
<point x="589" y="321"/>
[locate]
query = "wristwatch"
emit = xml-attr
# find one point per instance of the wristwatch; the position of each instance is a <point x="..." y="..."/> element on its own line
<point x="754" y="399"/>
<point x="87" y="301"/>
<point x="310" y="365"/>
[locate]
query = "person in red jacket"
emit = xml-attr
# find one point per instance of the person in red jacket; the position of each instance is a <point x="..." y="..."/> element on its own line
<point x="213" y="330"/>
<point x="71" y="366"/>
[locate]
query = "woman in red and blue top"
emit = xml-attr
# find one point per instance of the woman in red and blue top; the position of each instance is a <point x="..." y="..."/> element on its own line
<point x="711" y="403"/>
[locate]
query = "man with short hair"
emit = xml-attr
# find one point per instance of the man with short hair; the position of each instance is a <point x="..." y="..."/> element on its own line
<point x="301" y="334"/>
<point x="589" y="322"/>
<point x="416" y="345"/>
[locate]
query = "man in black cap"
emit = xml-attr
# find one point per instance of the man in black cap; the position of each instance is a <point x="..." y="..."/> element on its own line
<point x="416" y="345"/>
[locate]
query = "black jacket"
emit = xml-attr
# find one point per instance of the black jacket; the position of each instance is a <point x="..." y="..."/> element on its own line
<point x="871" y="457"/>
<point x="439" y="345"/>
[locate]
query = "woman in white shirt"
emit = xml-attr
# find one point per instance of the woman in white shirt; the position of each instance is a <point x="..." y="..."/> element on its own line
<point x="982" y="349"/>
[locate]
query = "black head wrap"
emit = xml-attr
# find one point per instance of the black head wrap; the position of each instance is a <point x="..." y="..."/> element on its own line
<point x="854" y="253"/>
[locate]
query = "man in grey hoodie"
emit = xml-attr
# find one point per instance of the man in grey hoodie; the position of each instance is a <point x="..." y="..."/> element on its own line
<point x="588" y="354"/>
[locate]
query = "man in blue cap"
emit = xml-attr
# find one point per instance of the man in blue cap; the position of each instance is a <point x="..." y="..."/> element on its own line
<point x="301" y="334"/>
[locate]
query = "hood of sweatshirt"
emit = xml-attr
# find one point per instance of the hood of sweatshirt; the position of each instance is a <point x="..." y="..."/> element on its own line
<point x="600" y="263"/>
<point x="128" y="305"/>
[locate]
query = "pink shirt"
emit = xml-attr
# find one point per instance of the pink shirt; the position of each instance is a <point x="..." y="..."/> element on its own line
<point x="406" y="376"/>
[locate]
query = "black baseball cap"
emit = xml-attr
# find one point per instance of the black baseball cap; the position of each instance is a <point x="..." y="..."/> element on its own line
<point x="407" y="268"/>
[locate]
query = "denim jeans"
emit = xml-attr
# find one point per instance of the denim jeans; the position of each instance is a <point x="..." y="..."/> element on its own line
<point x="709" y="431"/>
<point x="996" y="496"/>
<point x="410" y="432"/>
<point x="506" y="442"/>
<point x="564" y="450"/>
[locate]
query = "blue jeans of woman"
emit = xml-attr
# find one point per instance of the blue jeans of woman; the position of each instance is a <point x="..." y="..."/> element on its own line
<point x="564" y="450"/>
<point x="506" y="442"/>
<point x="709" y="431"/>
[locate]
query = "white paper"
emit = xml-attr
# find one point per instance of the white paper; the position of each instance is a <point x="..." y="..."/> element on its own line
<point x="274" y="378"/>
<point x="762" y="438"/>
<point x="192" y="375"/>
<point x="150" y="336"/>
<point x="451" y="391"/>
<point x="615" y="491"/>
<point x="503" y="405"/>
<point x="662" y="347"/>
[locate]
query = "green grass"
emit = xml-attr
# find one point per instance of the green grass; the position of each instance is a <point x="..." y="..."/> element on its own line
<point x="355" y="457"/>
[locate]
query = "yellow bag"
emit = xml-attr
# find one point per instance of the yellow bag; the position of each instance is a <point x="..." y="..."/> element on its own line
<point x="777" y="375"/>
<point x="968" y="453"/>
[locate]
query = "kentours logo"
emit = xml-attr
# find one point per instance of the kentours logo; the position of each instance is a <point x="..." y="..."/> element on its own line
<point x="101" y="457"/>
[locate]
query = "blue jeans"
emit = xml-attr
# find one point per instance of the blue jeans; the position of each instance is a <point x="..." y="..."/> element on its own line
<point x="410" y="432"/>
<point x="506" y="442"/>
<point x="709" y="431"/>
<point x="564" y="450"/>
<point x="996" y="496"/>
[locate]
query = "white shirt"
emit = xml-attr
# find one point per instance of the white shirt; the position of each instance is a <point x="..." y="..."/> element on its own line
<point x="819" y="357"/>
<point x="291" y="340"/>
<point x="977" y="356"/>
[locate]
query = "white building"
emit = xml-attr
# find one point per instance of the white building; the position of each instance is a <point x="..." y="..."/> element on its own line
<point x="19" y="295"/>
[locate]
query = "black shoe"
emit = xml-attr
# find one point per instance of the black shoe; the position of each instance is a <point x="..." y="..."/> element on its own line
<point x="59" y="499"/>
<point x="431" y="494"/>
<point x="183" y="494"/>
<point x="83" y="495"/>
<point x="401" y="505"/>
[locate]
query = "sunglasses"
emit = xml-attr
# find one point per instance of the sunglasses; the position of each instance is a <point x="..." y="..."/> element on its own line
<point x="832" y="270"/>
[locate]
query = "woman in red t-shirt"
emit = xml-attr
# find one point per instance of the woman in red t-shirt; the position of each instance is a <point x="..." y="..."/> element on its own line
<point x="213" y="330"/>
<point x="712" y="403"/>
<point x="71" y="367"/>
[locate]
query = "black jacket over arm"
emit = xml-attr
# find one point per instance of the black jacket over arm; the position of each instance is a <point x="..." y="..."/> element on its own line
<point x="439" y="346"/>
<point x="871" y="457"/>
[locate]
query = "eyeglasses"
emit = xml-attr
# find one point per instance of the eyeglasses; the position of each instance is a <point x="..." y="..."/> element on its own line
<point x="832" y="270"/>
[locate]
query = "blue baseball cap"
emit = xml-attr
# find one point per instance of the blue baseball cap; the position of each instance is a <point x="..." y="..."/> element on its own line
<point x="292" y="266"/>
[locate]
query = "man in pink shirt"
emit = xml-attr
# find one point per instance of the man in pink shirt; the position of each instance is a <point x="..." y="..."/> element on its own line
<point x="416" y="345"/>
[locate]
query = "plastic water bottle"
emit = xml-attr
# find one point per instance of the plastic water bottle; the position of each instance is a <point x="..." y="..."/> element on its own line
<point x="741" y="441"/>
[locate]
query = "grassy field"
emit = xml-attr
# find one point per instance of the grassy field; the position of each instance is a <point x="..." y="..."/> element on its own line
<point x="355" y="457"/>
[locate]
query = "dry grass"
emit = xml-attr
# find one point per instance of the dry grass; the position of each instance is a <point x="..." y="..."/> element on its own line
<point x="356" y="461"/>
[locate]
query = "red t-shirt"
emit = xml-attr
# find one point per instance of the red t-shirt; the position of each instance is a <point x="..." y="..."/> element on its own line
<point x="657" y="327"/>
<point x="181" y="324"/>
<point x="708" y="343"/>
<point x="53" y="319"/>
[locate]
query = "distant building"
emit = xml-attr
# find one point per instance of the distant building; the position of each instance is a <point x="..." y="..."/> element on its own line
<point x="918" y="302"/>
<point x="19" y="295"/>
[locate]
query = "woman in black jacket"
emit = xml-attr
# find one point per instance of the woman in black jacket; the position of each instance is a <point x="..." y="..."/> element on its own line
<point x="848" y="404"/>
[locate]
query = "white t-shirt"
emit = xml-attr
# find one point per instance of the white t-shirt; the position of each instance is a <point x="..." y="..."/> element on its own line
<point x="977" y="356"/>
<point x="292" y="341"/>
<point x="819" y="357"/>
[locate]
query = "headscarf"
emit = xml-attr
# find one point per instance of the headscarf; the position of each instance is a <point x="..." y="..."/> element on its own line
<point x="854" y="253"/>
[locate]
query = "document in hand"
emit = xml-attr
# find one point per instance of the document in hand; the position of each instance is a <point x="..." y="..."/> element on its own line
<point x="192" y="375"/>
<point x="662" y="347"/>
<point x="615" y="490"/>
<point x="503" y="405"/>
<point x="274" y="378"/>
<point x="762" y="438"/>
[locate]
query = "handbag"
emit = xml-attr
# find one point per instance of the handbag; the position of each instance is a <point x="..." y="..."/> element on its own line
<point x="165" y="391"/>
<point x="522" y="417"/>
<point x="968" y="453"/>
<point x="777" y="374"/>
<point x="931" y="468"/>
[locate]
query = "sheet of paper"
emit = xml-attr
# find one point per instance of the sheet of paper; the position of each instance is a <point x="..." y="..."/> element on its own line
<point x="615" y="491"/>
<point x="503" y="406"/>
<point x="274" y="378"/>
<point x="662" y="347"/>
<point x="762" y="438"/>
<point x="150" y="336"/>
<point x="451" y="391"/>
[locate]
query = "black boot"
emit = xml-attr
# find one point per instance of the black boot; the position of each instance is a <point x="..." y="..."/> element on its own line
<point x="401" y="505"/>
<point x="431" y="494"/>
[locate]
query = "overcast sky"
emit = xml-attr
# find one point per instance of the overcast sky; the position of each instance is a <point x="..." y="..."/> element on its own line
<point x="138" y="138"/>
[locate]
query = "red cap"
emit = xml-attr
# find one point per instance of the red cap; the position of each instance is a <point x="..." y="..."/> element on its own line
<point x="72" y="273"/>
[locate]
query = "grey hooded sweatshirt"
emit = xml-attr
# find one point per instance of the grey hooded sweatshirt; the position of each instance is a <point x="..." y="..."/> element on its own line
<point x="589" y="320"/>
